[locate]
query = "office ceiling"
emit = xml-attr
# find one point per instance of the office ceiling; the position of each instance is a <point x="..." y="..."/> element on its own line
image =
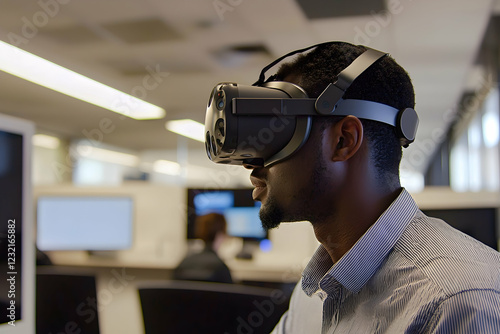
<point x="171" y="53"/>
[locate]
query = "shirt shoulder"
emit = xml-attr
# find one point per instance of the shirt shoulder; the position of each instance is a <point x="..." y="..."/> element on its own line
<point x="460" y="313"/>
<point x="452" y="260"/>
<point x="438" y="280"/>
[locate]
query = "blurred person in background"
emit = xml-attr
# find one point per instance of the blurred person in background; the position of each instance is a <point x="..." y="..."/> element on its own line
<point x="206" y="265"/>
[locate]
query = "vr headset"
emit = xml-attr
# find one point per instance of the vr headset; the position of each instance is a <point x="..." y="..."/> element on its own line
<point x="267" y="122"/>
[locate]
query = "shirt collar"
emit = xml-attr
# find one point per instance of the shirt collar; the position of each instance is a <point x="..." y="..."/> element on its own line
<point x="359" y="264"/>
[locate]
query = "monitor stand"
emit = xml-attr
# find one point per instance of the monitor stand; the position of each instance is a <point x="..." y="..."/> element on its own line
<point x="102" y="253"/>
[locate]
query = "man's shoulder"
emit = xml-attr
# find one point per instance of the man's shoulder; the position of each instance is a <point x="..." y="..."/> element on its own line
<point x="450" y="259"/>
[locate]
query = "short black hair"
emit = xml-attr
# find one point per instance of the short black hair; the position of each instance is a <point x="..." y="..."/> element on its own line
<point x="384" y="82"/>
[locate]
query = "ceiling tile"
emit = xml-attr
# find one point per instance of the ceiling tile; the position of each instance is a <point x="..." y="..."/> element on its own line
<point x="76" y="34"/>
<point x="317" y="9"/>
<point x="142" y="31"/>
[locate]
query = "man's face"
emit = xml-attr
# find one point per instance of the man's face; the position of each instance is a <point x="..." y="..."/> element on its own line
<point x="295" y="189"/>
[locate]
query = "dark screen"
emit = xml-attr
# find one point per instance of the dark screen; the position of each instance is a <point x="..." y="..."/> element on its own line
<point x="11" y="185"/>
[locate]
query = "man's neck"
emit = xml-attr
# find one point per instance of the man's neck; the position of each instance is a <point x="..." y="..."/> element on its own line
<point x="352" y="218"/>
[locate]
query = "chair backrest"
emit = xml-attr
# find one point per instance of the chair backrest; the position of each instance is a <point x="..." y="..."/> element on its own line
<point x="66" y="303"/>
<point x="200" y="307"/>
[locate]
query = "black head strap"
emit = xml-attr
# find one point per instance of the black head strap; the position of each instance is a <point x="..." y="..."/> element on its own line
<point x="333" y="93"/>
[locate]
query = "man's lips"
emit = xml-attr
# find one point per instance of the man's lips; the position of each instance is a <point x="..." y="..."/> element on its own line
<point x="260" y="187"/>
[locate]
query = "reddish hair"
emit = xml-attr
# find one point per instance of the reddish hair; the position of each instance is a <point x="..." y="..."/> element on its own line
<point x="207" y="226"/>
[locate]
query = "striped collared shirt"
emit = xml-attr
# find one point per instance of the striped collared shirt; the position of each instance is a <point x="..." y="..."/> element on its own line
<point x="407" y="274"/>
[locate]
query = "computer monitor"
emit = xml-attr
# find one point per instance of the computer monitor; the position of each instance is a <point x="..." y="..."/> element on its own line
<point x="17" y="251"/>
<point x="91" y="223"/>
<point x="237" y="206"/>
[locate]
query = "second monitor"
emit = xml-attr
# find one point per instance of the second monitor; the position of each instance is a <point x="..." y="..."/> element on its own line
<point x="238" y="207"/>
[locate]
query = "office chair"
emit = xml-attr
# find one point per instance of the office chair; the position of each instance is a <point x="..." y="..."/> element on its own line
<point x="203" y="307"/>
<point x="66" y="302"/>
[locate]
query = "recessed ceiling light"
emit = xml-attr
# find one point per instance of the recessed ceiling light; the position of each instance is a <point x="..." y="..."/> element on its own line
<point x="46" y="141"/>
<point x="101" y="154"/>
<point x="45" y="73"/>
<point x="187" y="128"/>
<point x="167" y="167"/>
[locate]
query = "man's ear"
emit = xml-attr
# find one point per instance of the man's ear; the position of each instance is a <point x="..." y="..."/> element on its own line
<point x="347" y="137"/>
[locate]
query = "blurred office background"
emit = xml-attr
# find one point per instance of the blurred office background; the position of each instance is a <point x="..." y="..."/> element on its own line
<point x="171" y="54"/>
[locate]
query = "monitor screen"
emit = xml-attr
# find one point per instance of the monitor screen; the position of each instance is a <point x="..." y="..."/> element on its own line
<point x="91" y="223"/>
<point x="17" y="260"/>
<point x="244" y="222"/>
<point x="237" y="206"/>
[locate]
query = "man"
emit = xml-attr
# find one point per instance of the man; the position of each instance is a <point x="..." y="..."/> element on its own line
<point x="382" y="266"/>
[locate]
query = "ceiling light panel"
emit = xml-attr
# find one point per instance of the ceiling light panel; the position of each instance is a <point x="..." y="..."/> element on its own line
<point x="187" y="128"/>
<point x="45" y="73"/>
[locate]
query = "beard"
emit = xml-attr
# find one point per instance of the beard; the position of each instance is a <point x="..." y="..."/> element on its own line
<point x="273" y="213"/>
